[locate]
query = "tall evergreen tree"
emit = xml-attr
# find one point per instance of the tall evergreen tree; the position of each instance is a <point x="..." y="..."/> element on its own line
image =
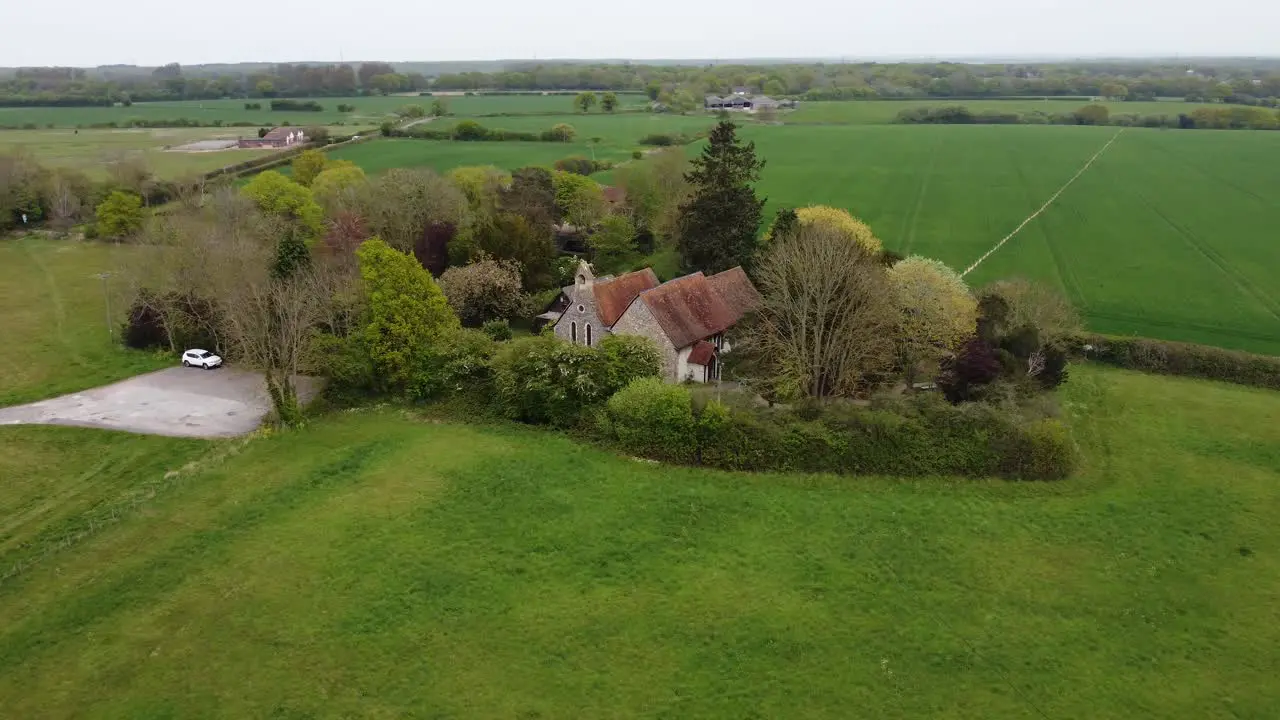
<point x="719" y="223"/>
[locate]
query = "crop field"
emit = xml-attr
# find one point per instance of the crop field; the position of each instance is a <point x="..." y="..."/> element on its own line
<point x="369" y="110"/>
<point x="443" y="155"/>
<point x="1170" y="234"/>
<point x="372" y="564"/>
<point x="880" y="112"/>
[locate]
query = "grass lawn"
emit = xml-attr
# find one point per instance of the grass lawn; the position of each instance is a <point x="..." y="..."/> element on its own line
<point x="1169" y="234"/>
<point x="879" y="112"/>
<point x="54" y="336"/>
<point x="376" y="565"/>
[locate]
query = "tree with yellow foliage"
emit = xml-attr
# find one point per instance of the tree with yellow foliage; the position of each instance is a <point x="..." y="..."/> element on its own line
<point x="838" y="220"/>
<point x="937" y="313"/>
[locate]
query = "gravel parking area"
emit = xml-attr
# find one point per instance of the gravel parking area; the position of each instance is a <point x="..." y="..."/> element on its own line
<point x="181" y="402"/>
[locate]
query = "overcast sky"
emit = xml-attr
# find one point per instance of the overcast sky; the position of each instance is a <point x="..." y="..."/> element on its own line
<point x="154" y="32"/>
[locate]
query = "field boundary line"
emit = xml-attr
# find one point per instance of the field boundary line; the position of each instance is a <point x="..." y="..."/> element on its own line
<point x="1045" y="206"/>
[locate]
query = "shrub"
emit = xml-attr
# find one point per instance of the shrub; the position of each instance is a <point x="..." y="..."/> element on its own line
<point x="544" y="380"/>
<point x="296" y="106"/>
<point x="654" y="419"/>
<point x="661" y="139"/>
<point x="627" y="357"/>
<point x="346" y="365"/>
<point x="497" y="330"/>
<point x="926" y="436"/>
<point x="1042" y="450"/>
<point x="576" y="164"/>
<point x="562" y="132"/>
<point x="1174" y="358"/>
<point x="636" y="154"/>
<point x="469" y="130"/>
<point x="459" y="364"/>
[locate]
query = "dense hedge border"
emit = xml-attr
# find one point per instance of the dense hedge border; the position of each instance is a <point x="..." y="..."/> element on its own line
<point x="1174" y="358"/>
<point x="928" y="436"/>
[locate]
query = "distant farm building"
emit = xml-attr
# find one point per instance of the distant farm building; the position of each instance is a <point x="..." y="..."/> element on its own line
<point x="281" y="137"/>
<point x="744" y="103"/>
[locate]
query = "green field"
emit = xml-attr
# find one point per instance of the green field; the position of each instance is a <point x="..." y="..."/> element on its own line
<point x="443" y="155"/>
<point x="884" y="111"/>
<point x="1169" y="234"/>
<point x="374" y="565"/>
<point x="54" y="332"/>
<point x="369" y="110"/>
<point x="91" y="150"/>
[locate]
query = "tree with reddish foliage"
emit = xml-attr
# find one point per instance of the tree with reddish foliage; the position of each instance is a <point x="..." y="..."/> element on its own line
<point x="965" y="375"/>
<point x="432" y="247"/>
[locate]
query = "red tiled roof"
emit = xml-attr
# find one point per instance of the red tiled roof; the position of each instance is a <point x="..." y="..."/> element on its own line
<point x="702" y="353"/>
<point x="736" y="289"/>
<point x="689" y="309"/>
<point x="614" y="194"/>
<point x="613" y="296"/>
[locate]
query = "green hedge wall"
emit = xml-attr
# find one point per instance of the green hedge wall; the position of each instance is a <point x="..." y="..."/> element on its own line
<point x="1174" y="358"/>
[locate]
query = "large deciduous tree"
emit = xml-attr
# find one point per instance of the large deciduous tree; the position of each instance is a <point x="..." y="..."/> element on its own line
<point x="609" y="102"/>
<point x="280" y="197"/>
<point x="119" y="215"/>
<point x="584" y="101"/>
<point x="307" y="166"/>
<point x="483" y="291"/>
<point x="407" y="312"/>
<point x="718" y="224"/>
<point x="825" y="326"/>
<point x="937" y="313"/>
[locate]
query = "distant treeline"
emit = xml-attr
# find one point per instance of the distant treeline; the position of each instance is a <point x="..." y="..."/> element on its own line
<point x="1227" y="117"/>
<point x="1236" y="81"/>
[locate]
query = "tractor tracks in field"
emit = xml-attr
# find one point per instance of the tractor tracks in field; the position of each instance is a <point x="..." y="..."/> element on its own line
<point x="1197" y="243"/>
<point x="913" y="222"/>
<point x="1027" y="221"/>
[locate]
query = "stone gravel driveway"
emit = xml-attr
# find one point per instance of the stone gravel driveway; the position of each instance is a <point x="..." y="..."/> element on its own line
<point x="180" y="402"/>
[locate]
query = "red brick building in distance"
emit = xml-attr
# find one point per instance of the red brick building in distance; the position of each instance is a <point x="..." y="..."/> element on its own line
<point x="281" y="137"/>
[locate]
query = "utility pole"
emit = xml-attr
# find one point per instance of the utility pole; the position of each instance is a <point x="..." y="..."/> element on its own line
<point x="106" y="296"/>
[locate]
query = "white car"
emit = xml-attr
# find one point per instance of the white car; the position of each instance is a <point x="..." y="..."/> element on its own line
<point x="201" y="359"/>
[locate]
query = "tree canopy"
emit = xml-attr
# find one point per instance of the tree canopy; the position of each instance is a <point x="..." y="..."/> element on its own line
<point x="718" y="224"/>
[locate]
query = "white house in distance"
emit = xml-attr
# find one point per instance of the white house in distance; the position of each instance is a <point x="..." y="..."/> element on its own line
<point x="281" y="137"/>
<point x="686" y="318"/>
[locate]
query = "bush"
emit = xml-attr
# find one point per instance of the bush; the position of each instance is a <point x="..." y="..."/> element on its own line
<point x="460" y="364"/>
<point x="654" y="419"/>
<point x="545" y="380"/>
<point x="663" y="139"/>
<point x="927" y="437"/>
<point x="1042" y="450"/>
<point x="469" y="130"/>
<point x="119" y="215"/>
<point x="562" y="132"/>
<point x="636" y="154"/>
<point x="576" y="164"/>
<point x="627" y="357"/>
<point x="497" y="330"/>
<point x="1174" y="358"/>
<point x="296" y="106"/>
